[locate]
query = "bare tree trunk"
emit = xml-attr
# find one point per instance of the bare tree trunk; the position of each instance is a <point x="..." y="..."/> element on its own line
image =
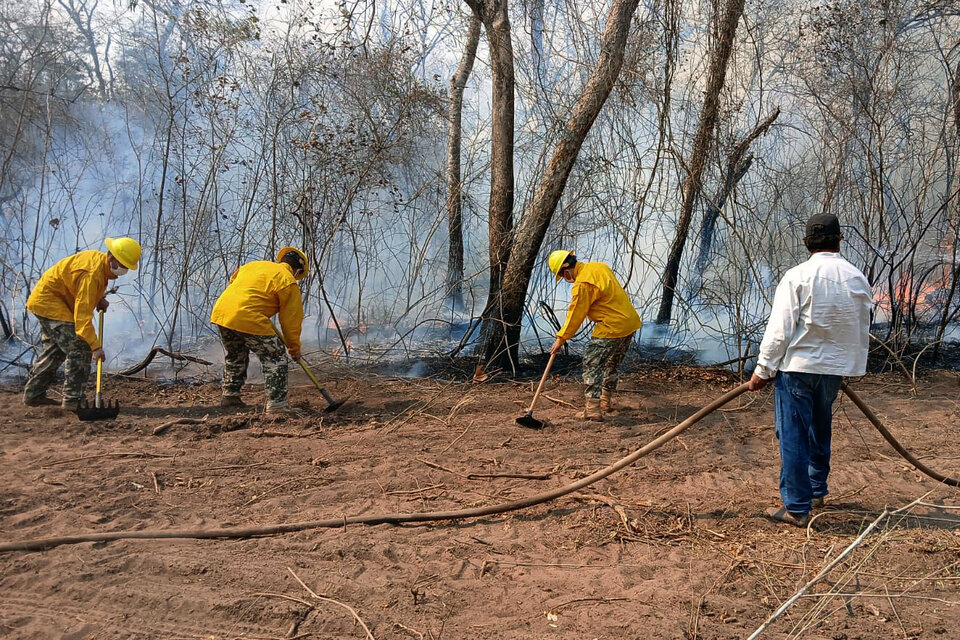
<point x="954" y="219"/>
<point x="701" y="142"/>
<point x="454" y="178"/>
<point x="503" y="316"/>
<point x="496" y="23"/>
<point x="737" y="167"/>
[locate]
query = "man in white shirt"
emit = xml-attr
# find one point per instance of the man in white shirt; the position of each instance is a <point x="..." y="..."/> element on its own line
<point x="817" y="333"/>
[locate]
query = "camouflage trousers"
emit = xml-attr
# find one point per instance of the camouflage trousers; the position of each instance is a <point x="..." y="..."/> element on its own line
<point x="60" y="343"/>
<point x="601" y="363"/>
<point x="273" y="359"/>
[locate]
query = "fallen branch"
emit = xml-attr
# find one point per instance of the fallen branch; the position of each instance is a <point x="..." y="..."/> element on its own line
<point x="277" y="434"/>
<point x="153" y="354"/>
<point x="568" y="603"/>
<point x="434" y="465"/>
<point x="39" y="544"/>
<point x="336" y="602"/>
<point x="159" y="429"/>
<point x="613" y="504"/>
<point x="523" y="476"/>
<point x="827" y="569"/>
<point x="560" y="402"/>
<point x="131" y="454"/>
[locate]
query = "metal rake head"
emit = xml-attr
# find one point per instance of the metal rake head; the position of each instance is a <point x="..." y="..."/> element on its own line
<point x="88" y="412"/>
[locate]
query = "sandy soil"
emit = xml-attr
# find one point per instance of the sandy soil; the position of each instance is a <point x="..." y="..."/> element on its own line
<point x="675" y="547"/>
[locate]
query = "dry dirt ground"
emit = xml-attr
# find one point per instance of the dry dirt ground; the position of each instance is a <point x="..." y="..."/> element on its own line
<point x="674" y="547"/>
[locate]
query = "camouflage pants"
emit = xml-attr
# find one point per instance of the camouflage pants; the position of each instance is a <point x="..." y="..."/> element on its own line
<point x="601" y="361"/>
<point x="60" y="343"/>
<point x="273" y="359"/>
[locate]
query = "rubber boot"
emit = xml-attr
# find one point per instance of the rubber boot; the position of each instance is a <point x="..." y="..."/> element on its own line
<point x="606" y="401"/>
<point x="41" y="401"/>
<point x="591" y="411"/>
<point x="232" y="402"/>
<point x="282" y="409"/>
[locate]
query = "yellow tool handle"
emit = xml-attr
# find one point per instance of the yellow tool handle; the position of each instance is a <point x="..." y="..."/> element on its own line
<point x="309" y="373"/>
<point x="306" y="370"/>
<point x="97" y="398"/>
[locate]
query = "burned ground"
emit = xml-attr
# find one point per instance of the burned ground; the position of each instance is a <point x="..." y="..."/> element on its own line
<point x="673" y="547"/>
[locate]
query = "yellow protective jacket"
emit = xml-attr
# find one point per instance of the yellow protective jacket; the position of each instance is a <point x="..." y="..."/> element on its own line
<point x="258" y="291"/>
<point x="69" y="290"/>
<point x="597" y="295"/>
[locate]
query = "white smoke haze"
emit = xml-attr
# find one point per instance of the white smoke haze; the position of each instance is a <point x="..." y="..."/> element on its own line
<point x="217" y="132"/>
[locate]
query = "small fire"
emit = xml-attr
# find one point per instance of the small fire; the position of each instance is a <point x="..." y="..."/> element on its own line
<point x="338" y="352"/>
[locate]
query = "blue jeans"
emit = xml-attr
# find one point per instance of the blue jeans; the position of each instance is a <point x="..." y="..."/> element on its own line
<point x="803" y="413"/>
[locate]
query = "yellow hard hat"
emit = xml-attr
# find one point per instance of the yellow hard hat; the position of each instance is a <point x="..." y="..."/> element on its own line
<point x="125" y="250"/>
<point x="302" y="255"/>
<point x="556" y="261"/>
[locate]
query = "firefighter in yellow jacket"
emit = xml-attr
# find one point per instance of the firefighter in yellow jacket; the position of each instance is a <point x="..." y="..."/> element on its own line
<point x="598" y="296"/>
<point x="257" y="291"/>
<point x="63" y="302"/>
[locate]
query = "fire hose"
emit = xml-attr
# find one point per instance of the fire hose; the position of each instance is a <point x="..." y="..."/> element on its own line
<point x="39" y="544"/>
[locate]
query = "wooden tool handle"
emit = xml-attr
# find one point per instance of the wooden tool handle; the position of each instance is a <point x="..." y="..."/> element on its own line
<point x="543" y="380"/>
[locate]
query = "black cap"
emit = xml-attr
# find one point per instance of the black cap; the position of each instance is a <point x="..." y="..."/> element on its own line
<point x="823" y="224"/>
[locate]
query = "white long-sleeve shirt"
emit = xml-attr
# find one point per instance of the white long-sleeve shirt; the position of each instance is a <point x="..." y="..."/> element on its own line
<point x="820" y="321"/>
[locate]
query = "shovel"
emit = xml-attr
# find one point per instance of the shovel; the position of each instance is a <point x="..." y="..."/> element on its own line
<point x="332" y="405"/>
<point x="98" y="411"/>
<point x="527" y="420"/>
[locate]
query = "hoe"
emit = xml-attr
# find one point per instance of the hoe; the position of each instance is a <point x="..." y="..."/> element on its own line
<point x="332" y="405"/>
<point x="98" y="411"/>
<point x="527" y="420"/>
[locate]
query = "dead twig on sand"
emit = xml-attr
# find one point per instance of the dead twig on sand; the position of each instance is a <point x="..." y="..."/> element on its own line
<point x="156" y="483"/>
<point x="741" y="407"/>
<point x="292" y="633"/>
<point x="560" y="402"/>
<point x="270" y="490"/>
<point x="522" y="476"/>
<point x="402" y="627"/>
<point x="827" y="569"/>
<point x="396" y="423"/>
<point x="401" y="492"/>
<point x="455" y="440"/>
<point x="159" y="429"/>
<point x="569" y="602"/>
<point x="434" y="465"/>
<point x="279" y="434"/>
<point x="129" y="454"/>
<point x="336" y="602"/>
<point x="613" y="504"/>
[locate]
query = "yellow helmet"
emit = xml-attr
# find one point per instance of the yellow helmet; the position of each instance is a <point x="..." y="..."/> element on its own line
<point x="125" y="250"/>
<point x="302" y="255"/>
<point x="556" y="261"/>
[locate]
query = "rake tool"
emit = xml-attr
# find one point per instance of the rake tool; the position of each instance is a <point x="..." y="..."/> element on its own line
<point x="332" y="405"/>
<point x="527" y="420"/>
<point x="98" y="411"/>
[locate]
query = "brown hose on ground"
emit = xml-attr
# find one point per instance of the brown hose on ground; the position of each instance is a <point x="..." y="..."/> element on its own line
<point x="40" y="544"/>
<point x="871" y="416"/>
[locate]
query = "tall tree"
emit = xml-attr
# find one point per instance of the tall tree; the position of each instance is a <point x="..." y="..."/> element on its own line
<point x="454" y="178"/>
<point x="738" y="163"/>
<point x="496" y="23"/>
<point x="719" y="58"/>
<point x="504" y="311"/>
